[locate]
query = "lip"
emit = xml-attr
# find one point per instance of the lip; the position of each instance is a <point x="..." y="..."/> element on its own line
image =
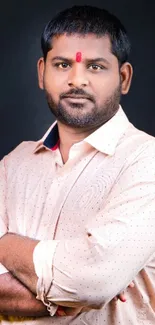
<point x="76" y="100"/>
<point x="76" y="97"/>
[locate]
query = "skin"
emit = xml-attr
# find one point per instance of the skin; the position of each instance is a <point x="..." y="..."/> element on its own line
<point x="17" y="300"/>
<point x="103" y="81"/>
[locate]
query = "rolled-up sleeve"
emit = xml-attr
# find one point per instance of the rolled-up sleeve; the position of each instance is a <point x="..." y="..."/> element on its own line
<point x="118" y="243"/>
<point x="3" y="212"/>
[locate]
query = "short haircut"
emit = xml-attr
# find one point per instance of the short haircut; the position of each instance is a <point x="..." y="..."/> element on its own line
<point x="83" y="20"/>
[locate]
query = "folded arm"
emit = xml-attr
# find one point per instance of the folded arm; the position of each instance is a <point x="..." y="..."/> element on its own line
<point x="16" y="300"/>
<point x="92" y="269"/>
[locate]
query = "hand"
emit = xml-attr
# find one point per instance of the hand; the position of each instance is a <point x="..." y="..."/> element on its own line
<point x="121" y="296"/>
<point x="67" y="311"/>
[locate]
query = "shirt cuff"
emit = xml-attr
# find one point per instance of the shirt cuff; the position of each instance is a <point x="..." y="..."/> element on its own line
<point x="43" y="260"/>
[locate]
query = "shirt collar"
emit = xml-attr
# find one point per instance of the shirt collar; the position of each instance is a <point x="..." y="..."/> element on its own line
<point x="104" y="139"/>
<point x="49" y="140"/>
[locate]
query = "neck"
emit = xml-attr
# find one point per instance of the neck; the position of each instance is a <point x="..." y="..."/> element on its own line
<point x="69" y="136"/>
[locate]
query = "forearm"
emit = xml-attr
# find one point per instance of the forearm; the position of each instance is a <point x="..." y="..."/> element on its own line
<point x="19" y="261"/>
<point x="22" y="266"/>
<point x="17" y="300"/>
<point x="91" y="282"/>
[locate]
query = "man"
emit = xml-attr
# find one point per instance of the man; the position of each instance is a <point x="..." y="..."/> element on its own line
<point x="77" y="208"/>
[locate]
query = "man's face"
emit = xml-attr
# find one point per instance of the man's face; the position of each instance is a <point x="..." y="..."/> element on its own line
<point x="81" y="79"/>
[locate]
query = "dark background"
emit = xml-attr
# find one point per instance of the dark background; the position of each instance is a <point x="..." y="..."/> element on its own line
<point x="24" y="114"/>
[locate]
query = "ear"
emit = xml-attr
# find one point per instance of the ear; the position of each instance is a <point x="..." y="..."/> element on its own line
<point x="126" y="72"/>
<point x="40" y="69"/>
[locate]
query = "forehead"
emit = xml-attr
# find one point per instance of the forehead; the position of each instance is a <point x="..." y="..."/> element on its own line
<point x="88" y="45"/>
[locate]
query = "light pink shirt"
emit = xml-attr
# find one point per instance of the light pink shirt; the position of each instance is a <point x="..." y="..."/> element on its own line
<point x="95" y="217"/>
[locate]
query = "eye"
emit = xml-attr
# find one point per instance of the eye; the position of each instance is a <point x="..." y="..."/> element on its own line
<point x="62" y="65"/>
<point x="96" y="67"/>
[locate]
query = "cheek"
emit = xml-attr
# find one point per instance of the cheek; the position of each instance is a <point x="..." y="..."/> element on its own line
<point x="53" y="83"/>
<point x="105" y="88"/>
<point x="106" y="84"/>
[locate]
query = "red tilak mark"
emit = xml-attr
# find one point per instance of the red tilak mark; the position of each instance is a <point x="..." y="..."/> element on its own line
<point x="78" y="57"/>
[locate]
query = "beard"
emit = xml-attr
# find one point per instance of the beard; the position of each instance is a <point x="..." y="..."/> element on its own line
<point x="79" y="115"/>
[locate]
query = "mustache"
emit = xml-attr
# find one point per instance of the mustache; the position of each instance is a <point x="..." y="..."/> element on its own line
<point x="77" y="92"/>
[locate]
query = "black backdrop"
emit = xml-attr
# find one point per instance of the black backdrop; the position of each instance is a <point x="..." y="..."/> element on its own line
<point x="24" y="114"/>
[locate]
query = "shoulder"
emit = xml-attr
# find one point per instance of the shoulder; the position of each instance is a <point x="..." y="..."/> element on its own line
<point x="23" y="152"/>
<point x="137" y="143"/>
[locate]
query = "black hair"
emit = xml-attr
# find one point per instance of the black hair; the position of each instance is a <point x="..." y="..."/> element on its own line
<point x="85" y="20"/>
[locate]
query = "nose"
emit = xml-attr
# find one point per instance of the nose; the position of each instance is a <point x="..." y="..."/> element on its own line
<point x="78" y="77"/>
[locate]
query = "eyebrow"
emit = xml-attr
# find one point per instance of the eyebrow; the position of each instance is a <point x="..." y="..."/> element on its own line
<point x="99" y="59"/>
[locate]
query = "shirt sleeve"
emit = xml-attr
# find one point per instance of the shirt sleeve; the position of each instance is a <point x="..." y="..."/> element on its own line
<point x="92" y="269"/>
<point x="3" y="213"/>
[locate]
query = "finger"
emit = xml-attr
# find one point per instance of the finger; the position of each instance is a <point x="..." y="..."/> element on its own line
<point x="122" y="297"/>
<point x="131" y="285"/>
<point x="67" y="311"/>
<point x="60" y="311"/>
